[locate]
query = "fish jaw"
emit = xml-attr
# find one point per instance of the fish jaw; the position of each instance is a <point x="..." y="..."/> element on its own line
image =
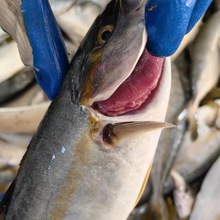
<point x="105" y="67"/>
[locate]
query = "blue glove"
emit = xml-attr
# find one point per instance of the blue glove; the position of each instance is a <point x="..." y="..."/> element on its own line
<point x="49" y="52"/>
<point x="167" y="21"/>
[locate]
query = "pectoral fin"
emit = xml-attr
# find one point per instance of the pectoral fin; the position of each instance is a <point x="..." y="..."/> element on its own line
<point x="115" y="132"/>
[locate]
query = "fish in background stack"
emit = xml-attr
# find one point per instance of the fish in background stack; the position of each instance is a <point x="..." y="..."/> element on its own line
<point x="186" y="167"/>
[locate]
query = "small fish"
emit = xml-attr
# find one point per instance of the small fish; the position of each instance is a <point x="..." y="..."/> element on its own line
<point x="92" y="163"/>
<point x="205" y="66"/>
<point x="208" y="199"/>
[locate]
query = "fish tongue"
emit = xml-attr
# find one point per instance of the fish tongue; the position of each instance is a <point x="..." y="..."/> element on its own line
<point x="135" y="89"/>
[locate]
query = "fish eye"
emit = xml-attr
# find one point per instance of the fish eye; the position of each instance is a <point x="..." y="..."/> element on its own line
<point x="104" y="34"/>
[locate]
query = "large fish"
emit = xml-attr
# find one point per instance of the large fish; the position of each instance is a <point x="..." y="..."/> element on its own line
<point x="93" y="151"/>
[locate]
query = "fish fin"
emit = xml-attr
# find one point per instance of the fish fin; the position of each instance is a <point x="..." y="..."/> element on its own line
<point x="118" y="131"/>
<point x="143" y="185"/>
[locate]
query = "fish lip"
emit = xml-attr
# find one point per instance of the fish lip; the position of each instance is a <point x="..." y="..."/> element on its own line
<point x="149" y="111"/>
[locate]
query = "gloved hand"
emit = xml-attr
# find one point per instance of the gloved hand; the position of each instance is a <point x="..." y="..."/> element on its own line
<point x="167" y="21"/>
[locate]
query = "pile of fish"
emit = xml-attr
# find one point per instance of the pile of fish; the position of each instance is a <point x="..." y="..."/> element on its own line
<point x="185" y="177"/>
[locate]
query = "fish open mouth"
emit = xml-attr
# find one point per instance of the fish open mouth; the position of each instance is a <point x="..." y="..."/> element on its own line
<point x="137" y="90"/>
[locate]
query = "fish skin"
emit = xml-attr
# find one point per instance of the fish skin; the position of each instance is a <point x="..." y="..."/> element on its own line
<point x="67" y="164"/>
<point x="207" y="201"/>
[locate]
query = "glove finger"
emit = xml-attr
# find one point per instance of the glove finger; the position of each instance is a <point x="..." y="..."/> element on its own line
<point x="49" y="52"/>
<point x="166" y="24"/>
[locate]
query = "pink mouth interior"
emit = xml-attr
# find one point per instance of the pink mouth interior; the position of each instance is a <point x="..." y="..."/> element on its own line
<point x="135" y="90"/>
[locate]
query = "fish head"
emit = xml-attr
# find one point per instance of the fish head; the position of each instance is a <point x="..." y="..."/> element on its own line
<point x="117" y="40"/>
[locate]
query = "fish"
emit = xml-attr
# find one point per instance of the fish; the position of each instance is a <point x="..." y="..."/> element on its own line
<point x="196" y="157"/>
<point x="207" y="201"/>
<point x="91" y="156"/>
<point x="205" y="66"/>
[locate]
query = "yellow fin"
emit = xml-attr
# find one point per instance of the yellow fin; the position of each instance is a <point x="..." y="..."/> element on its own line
<point x="143" y="185"/>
